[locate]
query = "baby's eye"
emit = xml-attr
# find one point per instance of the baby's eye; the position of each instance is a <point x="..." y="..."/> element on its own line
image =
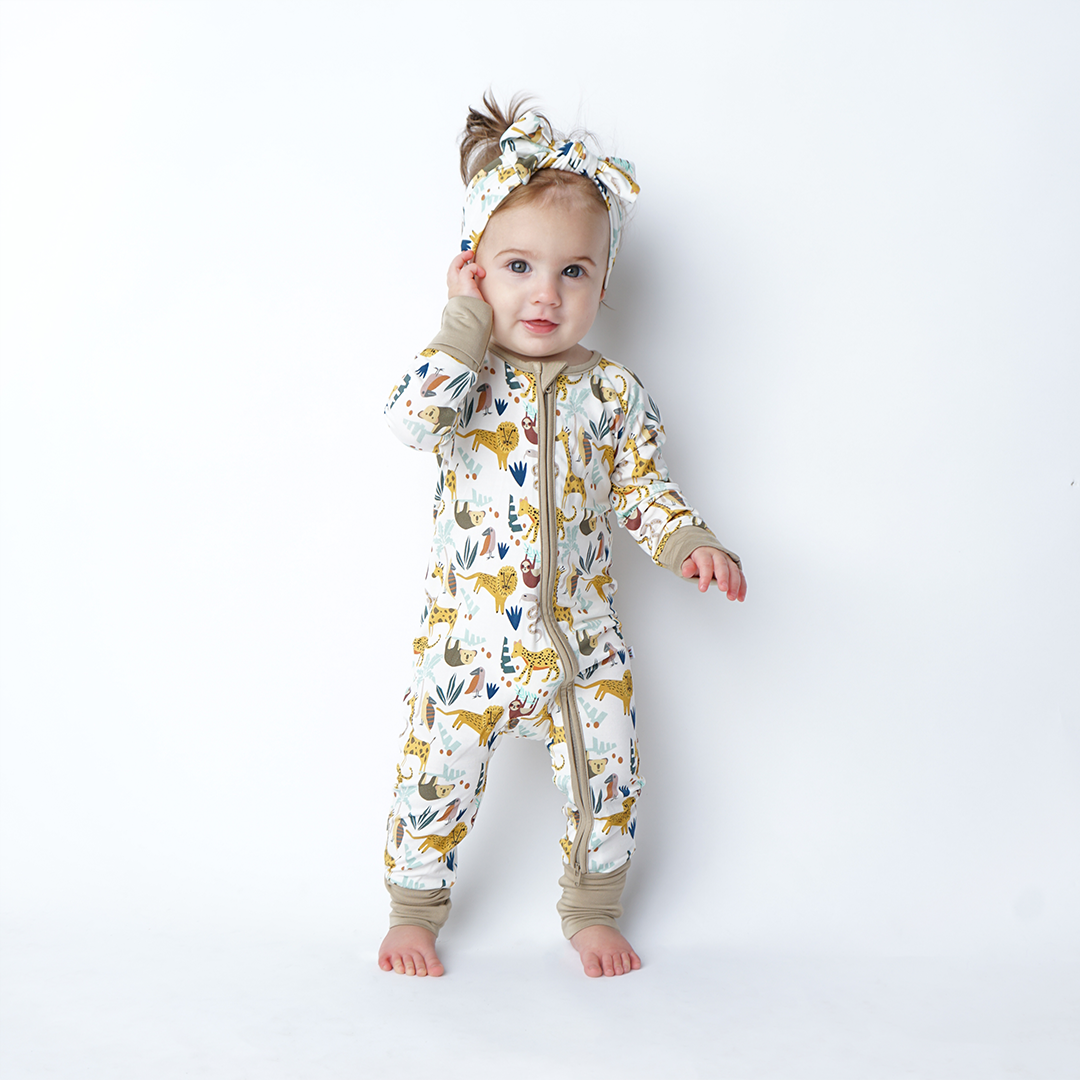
<point x="519" y="266"/>
<point x="574" y="271"/>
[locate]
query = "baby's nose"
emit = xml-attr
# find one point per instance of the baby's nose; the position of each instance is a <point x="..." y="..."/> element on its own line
<point x="545" y="289"/>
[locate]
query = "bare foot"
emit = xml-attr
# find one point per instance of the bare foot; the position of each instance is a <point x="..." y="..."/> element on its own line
<point x="604" y="951"/>
<point x="410" y="950"/>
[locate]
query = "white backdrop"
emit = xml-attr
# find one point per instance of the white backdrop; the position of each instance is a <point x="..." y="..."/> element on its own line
<point x="225" y="228"/>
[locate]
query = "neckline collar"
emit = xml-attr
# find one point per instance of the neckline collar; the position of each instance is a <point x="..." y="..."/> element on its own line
<point x="548" y="369"/>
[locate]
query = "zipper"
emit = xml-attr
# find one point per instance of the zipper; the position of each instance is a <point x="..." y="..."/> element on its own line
<point x="549" y="547"/>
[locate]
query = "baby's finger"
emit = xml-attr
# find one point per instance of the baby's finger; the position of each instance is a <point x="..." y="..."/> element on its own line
<point x="458" y="262"/>
<point x="737" y="583"/>
<point x="705" y="573"/>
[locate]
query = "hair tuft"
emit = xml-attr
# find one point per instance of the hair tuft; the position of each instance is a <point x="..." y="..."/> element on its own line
<point x="484" y="128"/>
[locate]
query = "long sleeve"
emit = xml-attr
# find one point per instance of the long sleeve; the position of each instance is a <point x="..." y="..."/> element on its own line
<point x="647" y="502"/>
<point x="424" y="406"/>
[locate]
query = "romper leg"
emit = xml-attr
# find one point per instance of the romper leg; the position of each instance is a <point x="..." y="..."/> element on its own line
<point x="593" y="900"/>
<point x="440" y="783"/>
<point x="428" y="908"/>
<point x="605" y="706"/>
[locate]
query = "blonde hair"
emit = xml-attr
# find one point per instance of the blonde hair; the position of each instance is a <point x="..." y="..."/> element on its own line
<point x="480" y="148"/>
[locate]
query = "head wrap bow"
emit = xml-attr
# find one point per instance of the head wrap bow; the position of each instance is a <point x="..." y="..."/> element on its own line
<point x="524" y="150"/>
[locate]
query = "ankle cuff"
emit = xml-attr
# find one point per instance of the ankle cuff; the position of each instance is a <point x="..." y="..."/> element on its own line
<point x="591" y="901"/>
<point x="418" y="907"/>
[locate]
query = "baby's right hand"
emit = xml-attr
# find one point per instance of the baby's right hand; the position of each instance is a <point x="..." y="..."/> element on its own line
<point x="463" y="277"/>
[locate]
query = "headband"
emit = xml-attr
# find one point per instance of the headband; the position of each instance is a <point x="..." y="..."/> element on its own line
<point x="525" y="150"/>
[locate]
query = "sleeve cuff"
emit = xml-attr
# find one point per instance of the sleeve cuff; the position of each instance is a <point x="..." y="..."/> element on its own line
<point x="465" y="330"/>
<point x="683" y="541"/>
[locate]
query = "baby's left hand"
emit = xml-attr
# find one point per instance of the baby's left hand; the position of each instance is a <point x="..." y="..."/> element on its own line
<point x="706" y="563"/>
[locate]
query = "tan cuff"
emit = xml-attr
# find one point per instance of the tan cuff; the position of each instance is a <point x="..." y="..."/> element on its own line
<point x="591" y="901"/>
<point x="418" y="907"/>
<point x="681" y="543"/>
<point x="465" y="330"/>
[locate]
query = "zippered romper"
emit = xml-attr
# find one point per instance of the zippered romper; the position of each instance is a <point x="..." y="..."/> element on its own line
<point x="519" y="630"/>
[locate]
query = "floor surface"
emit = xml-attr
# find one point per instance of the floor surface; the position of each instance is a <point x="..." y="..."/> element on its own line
<point x="135" y="1006"/>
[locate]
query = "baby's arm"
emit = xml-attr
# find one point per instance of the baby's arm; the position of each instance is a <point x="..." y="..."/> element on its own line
<point x="424" y="407"/>
<point x="707" y="563"/>
<point x="652" y="508"/>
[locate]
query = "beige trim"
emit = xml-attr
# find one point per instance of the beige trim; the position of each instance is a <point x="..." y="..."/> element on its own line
<point x="550" y="368"/>
<point x="418" y="907"/>
<point x="578" y="856"/>
<point x="465" y="330"/>
<point x="591" y="900"/>
<point x="681" y="543"/>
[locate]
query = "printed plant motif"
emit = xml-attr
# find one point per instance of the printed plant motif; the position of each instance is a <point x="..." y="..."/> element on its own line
<point x="512" y="518"/>
<point x="465" y="557"/>
<point x="506" y="660"/>
<point x="453" y="691"/>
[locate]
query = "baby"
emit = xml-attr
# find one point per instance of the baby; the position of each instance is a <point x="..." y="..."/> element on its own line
<point x="540" y="444"/>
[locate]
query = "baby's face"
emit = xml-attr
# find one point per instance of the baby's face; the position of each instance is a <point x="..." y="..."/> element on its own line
<point x="544" y="264"/>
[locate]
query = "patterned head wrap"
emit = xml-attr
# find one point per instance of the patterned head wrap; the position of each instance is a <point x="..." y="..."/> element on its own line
<point x="525" y="150"/>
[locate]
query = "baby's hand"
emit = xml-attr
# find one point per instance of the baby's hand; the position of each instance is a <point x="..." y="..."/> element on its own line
<point x="462" y="279"/>
<point x="706" y="563"/>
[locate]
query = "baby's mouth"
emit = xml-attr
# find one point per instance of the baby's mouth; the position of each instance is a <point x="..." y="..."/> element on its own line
<point x="540" y="326"/>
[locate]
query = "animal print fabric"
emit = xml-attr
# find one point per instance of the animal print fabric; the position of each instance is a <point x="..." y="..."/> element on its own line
<point x="444" y="771"/>
<point x="519" y="632"/>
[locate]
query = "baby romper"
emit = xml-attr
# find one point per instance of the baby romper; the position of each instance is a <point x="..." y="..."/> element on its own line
<point x="519" y="632"/>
